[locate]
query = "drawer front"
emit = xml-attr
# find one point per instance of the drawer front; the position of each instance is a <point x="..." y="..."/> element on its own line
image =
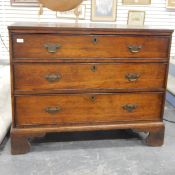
<point x="87" y="108"/>
<point x="49" y="46"/>
<point x="29" y="77"/>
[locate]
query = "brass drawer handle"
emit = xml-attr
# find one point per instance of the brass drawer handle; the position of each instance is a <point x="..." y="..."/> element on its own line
<point x="53" y="110"/>
<point x="53" y="77"/>
<point x="134" y="48"/>
<point x="52" y="48"/>
<point x="130" y="107"/>
<point x="132" y="77"/>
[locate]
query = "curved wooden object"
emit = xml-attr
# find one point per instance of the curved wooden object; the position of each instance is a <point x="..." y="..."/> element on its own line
<point x="156" y="137"/>
<point x="20" y="137"/>
<point x="61" y="5"/>
<point x="20" y="143"/>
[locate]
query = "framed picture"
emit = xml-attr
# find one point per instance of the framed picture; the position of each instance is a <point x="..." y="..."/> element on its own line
<point x="104" y="10"/>
<point x="136" y="18"/>
<point x="136" y="2"/>
<point x="170" y="4"/>
<point x="24" y="2"/>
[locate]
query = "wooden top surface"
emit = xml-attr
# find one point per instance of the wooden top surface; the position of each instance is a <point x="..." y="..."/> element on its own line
<point x="85" y="27"/>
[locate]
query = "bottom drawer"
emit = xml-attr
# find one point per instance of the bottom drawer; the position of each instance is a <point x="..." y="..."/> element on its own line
<point x="87" y="108"/>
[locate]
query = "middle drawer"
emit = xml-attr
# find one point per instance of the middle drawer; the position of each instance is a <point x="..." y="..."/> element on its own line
<point x="56" y="76"/>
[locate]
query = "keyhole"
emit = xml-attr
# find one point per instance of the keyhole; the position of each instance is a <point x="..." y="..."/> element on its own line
<point x="93" y="68"/>
<point x="94" y="40"/>
<point x="93" y="98"/>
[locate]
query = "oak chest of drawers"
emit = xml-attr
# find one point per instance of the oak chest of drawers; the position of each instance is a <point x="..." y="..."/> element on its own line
<point x="75" y="77"/>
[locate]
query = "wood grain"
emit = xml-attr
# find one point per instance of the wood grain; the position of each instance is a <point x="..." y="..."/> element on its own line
<point x="86" y="98"/>
<point x="84" y="46"/>
<point x="20" y="136"/>
<point x="33" y="77"/>
<point x="87" y="108"/>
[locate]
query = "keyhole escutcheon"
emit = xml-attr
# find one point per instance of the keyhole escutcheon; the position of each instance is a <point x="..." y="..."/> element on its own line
<point x="94" y="40"/>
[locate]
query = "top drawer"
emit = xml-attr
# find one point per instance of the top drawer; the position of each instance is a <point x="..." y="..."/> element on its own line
<point x="51" y="46"/>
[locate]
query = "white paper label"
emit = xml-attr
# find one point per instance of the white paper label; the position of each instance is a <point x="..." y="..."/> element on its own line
<point x="19" y="40"/>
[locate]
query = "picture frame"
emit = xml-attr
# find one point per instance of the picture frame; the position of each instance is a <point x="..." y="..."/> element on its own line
<point x="170" y="4"/>
<point x="100" y="13"/>
<point x="136" y="18"/>
<point x="24" y="3"/>
<point x="136" y="2"/>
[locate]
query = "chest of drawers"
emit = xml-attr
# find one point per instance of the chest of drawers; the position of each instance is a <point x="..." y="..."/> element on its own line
<point x="75" y="77"/>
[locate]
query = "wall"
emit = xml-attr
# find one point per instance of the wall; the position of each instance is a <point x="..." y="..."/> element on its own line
<point x="156" y="15"/>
